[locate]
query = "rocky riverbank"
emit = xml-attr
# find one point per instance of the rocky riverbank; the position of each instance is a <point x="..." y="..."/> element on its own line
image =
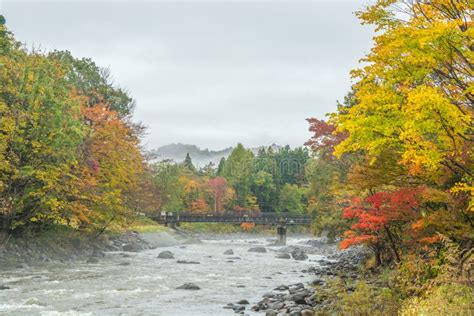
<point x="68" y="246"/>
<point x="299" y="299"/>
<point x="17" y="252"/>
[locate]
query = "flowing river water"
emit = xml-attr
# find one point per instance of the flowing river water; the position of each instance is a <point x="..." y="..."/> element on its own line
<point x="142" y="284"/>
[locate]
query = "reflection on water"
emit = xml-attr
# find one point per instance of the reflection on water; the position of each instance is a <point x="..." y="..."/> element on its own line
<point x="142" y="284"/>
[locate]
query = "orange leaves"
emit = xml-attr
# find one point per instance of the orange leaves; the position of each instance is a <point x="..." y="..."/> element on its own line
<point x="352" y="239"/>
<point x="247" y="226"/>
<point x="200" y="206"/>
<point x="418" y="225"/>
<point x="99" y="114"/>
<point x="431" y="239"/>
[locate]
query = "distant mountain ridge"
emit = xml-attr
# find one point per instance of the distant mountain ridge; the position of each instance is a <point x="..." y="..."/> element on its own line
<point x="201" y="157"/>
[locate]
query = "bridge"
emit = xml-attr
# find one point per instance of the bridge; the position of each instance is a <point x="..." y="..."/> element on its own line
<point x="281" y="220"/>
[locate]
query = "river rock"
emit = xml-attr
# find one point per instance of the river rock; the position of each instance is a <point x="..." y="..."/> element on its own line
<point x="271" y="313"/>
<point x="236" y="308"/>
<point x="299" y="254"/>
<point x="276" y="305"/>
<point x="283" y="256"/>
<point x="258" y="249"/>
<point x="299" y="298"/>
<point x="229" y="252"/>
<point x="307" y="312"/>
<point x="187" y="262"/>
<point x="4" y="287"/>
<point x="281" y="288"/>
<point x="131" y="248"/>
<point x="166" y="255"/>
<point x="317" y="282"/>
<point x="188" y="286"/>
<point x="243" y="302"/>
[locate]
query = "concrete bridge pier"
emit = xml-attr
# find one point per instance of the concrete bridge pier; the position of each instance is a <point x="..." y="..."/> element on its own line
<point x="281" y="234"/>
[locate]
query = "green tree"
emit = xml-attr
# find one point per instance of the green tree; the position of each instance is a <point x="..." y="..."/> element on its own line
<point x="238" y="170"/>
<point x="291" y="199"/>
<point x="188" y="164"/>
<point x="95" y="83"/>
<point x="264" y="189"/>
<point x="169" y="186"/>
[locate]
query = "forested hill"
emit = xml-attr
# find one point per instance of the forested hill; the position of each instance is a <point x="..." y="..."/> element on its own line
<point x="201" y="157"/>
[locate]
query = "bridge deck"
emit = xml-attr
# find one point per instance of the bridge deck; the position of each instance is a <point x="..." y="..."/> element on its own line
<point x="233" y="218"/>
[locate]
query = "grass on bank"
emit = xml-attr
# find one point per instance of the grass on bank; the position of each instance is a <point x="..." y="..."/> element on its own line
<point x="222" y="228"/>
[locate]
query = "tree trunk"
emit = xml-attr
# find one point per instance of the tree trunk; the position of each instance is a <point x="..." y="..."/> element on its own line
<point x="392" y="244"/>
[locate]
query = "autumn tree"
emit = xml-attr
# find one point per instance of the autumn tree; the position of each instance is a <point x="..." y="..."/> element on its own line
<point x="40" y="132"/>
<point x="220" y="192"/>
<point x="414" y="94"/>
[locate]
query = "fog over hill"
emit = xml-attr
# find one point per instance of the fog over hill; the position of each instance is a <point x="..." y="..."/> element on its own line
<point x="200" y="157"/>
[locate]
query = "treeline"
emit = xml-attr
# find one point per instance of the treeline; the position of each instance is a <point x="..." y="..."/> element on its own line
<point x="394" y="164"/>
<point x="270" y="181"/>
<point x="69" y="153"/>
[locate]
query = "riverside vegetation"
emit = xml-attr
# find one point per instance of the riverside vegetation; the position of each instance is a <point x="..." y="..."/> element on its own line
<point x="391" y="170"/>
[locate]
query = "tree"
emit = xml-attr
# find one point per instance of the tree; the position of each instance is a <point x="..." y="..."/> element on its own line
<point x="264" y="189"/>
<point x="219" y="192"/>
<point x="328" y="192"/>
<point x="40" y="131"/>
<point x="380" y="218"/>
<point x="291" y="199"/>
<point x="221" y="167"/>
<point x="238" y="170"/>
<point x="166" y="181"/>
<point x="291" y="164"/>
<point x="94" y="83"/>
<point x="188" y="163"/>
<point x="414" y="94"/>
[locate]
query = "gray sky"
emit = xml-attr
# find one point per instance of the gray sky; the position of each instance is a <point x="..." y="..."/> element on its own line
<point x="210" y="73"/>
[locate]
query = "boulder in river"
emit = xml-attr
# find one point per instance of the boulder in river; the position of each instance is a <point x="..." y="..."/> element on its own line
<point x="187" y="262"/>
<point x="299" y="254"/>
<point x="243" y="302"/>
<point x="229" y="252"/>
<point x="166" y="255"/>
<point x="131" y="247"/>
<point x="188" y="286"/>
<point x="283" y="256"/>
<point x="236" y="308"/>
<point x="258" y="249"/>
<point x="4" y="287"/>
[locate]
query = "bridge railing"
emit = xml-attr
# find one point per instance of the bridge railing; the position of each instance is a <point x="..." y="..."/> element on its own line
<point x="233" y="217"/>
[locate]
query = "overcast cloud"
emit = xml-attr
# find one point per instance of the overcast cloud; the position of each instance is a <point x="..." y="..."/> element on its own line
<point x="210" y="73"/>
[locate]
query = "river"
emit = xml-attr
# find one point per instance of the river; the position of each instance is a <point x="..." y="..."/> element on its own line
<point x="142" y="284"/>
